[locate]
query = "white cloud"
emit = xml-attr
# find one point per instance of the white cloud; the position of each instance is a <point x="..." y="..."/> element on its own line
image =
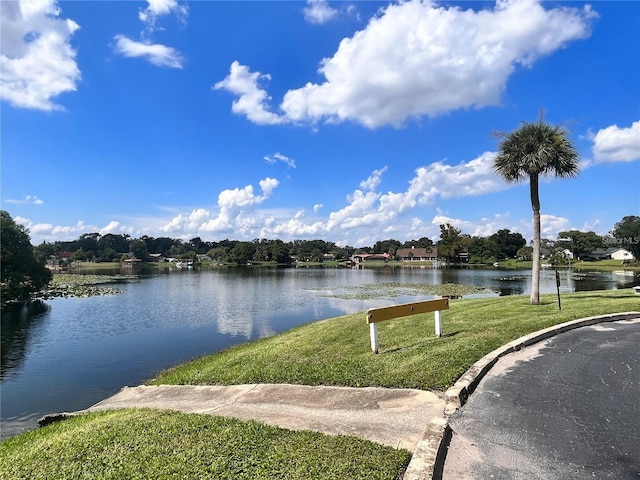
<point x="319" y="12"/>
<point x="159" y="55"/>
<point x="615" y="144"/>
<point x="232" y="215"/>
<point x="551" y="225"/>
<point x="112" y="227"/>
<point x="373" y="181"/>
<point x="253" y="100"/>
<point x="37" y="62"/>
<point x="415" y="59"/>
<point x="157" y="8"/>
<point x="278" y="157"/>
<point x="27" y="200"/>
<point x="40" y="232"/>
<point x="317" y="207"/>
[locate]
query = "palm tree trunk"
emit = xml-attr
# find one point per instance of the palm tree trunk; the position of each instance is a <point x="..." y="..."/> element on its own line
<point x="535" y="269"/>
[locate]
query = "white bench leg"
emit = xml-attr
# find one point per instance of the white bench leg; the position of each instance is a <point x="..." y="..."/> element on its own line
<point x="373" y="330"/>
<point x="438" y="324"/>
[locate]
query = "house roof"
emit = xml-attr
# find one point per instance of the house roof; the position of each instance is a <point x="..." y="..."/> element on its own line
<point x="418" y="252"/>
<point x="372" y="256"/>
<point x="608" y="251"/>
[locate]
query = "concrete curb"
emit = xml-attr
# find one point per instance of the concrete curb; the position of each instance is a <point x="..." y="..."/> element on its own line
<point x="428" y="459"/>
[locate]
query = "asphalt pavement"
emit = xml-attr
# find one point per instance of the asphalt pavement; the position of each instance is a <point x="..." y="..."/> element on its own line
<point x="566" y="408"/>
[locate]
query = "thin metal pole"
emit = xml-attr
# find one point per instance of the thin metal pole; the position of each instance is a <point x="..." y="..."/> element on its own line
<point x="558" y="289"/>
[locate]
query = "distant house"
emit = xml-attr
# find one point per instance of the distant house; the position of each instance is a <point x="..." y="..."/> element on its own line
<point x="414" y="254"/>
<point x="156" y="257"/>
<point x="615" y="253"/>
<point x="131" y="261"/>
<point x="368" y="257"/>
<point x="203" y="258"/>
<point x="328" y="257"/>
<point x="622" y="254"/>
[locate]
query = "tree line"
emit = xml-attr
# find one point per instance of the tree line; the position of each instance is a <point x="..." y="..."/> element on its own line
<point x="453" y="246"/>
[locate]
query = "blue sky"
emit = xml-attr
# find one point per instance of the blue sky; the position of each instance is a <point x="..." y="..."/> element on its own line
<point x="352" y="122"/>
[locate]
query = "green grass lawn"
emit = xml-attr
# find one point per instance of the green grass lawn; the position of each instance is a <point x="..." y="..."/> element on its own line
<point x="152" y="444"/>
<point x="155" y="444"/>
<point x="337" y="351"/>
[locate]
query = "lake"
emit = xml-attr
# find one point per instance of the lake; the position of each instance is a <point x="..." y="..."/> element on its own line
<point x="68" y="354"/>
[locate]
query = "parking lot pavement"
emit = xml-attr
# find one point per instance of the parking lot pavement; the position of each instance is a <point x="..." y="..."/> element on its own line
<point x="567" y="408"/>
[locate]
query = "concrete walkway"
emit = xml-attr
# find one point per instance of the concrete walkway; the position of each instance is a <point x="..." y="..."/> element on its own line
<point x="393" y="417"/>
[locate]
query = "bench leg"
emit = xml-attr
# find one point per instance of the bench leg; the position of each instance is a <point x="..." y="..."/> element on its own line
<point x="438" y="324"/>
<point x="373" y="330"/>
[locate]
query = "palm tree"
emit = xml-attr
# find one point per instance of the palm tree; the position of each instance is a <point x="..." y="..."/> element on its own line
<point x="532" y="150"/>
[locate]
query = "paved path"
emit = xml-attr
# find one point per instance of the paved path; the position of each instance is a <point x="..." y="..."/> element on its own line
<point x="393" y="417"/>
<point x="568" y="408"/>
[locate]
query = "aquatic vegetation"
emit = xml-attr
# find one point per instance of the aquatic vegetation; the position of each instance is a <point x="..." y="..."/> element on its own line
<point x="385" y="290"/>
<point x="73" y="285"/>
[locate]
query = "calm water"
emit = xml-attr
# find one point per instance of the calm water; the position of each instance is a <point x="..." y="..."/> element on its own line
<point x="68" y="354"/>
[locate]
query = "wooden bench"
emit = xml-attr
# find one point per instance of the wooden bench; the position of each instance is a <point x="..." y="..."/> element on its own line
<point x="381" y="314"/>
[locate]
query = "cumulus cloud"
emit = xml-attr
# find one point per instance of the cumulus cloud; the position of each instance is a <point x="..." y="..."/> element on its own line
<point x="159" y="55"/>
<point x="40" y="232"/>
<point x="232" y="215"/>
<point x="157" y="8"/>
<point x="253" y="100"/>
<point x="551" y="225"/>
<point x="27" y="200"/>
<point x="482" y="227"/>
<point x="615" y="144"/>
<point x="419" y="59"/>
<point x="37" y="62"/>
<point x="278" y="157"/>
<point x="319" y="12"/>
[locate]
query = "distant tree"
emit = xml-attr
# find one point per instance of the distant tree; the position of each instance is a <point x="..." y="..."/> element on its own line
<point x="423" y="242"/>
<point x="482" y="250"/>
<point x="579" y="243"/>
<point x="44" y="251"/>
<point x="218" y="254"/>
<point x="525" y="253"/>
<point x="626" y="234"/>
<point x="387" y="246"/>
<point x="198" y="245"/>
<point x="79" y="255"/>
<point x="88" y="242"/>
<point x="530" y="151"/>
<point x="117" y="243"/>
<point x="107" y="255"/>
<point x="451" y="243"/>
<point x="21" y="274"/>
<point x="507" y="243"/>
<point x="243" y="252"/>
<point x="139" y="249"/>
<point x="280" y="252"/>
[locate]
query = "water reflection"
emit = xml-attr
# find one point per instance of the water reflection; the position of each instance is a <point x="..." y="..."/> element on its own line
<point x="18" y="322"/>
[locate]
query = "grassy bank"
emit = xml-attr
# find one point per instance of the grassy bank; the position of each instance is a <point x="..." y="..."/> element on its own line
<point x="155" y="444"/>
<point x="146" y="444"/>
<point x="337" y="351"/>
